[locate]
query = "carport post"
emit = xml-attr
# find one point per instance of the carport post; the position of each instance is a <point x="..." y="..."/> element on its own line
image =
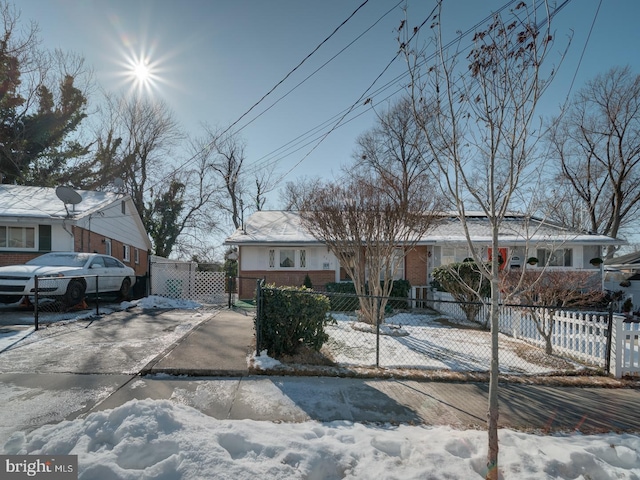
<point x="35" y="301"/>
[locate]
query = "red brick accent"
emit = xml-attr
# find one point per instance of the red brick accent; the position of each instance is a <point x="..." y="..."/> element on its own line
<point x="283" y="278"/>
<point x="16" y="258"/>
<point x="84" y="241"/>
<point x="416" y="266"/>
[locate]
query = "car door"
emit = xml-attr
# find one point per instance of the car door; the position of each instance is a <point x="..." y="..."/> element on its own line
<point x="115" y="271"/>
<point x="99" y="269"/>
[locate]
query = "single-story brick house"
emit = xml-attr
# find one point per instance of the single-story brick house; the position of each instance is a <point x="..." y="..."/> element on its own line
<point x="275" y="246"/>
<point x="34" y="220"/>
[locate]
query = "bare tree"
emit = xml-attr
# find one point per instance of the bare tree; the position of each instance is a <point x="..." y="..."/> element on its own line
<point x="598" y="144"/>
<point x="294" y="193"/>
<point x="551" y="290"/>
<point x="369" y="233"/>
<point x="396" y="153"/>
<point x="477" y="121"/>
<point x="227" y="155"/>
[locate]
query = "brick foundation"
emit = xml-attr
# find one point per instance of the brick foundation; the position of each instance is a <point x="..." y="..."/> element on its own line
<point x="247" y="284"/>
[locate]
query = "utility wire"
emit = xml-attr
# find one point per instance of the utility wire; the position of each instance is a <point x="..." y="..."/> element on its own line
<point x="194" y="156"/>
<point x="416" y="30"/>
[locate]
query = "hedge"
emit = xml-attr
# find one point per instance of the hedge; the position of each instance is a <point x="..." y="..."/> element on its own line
<point x="292" y="317"/>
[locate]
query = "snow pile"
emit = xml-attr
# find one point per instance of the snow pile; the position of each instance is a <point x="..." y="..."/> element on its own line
<point x="263" y="361"/>
<point x="146" y="439"/>
<point x="157" y="301"/>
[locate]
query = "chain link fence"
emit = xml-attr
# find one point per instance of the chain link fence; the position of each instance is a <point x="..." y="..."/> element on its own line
<point x="392" y="333"/>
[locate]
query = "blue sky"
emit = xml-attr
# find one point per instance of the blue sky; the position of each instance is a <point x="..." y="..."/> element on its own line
<point x="214" y="59"/>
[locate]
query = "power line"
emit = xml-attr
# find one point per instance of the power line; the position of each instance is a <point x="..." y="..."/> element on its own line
<point x="184" y="164"/>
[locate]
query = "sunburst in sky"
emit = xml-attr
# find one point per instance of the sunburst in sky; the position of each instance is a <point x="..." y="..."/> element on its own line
<point x="143" y="73"/>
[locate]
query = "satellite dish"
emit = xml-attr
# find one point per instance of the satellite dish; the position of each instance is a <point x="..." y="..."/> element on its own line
<point x="68" y="195"/>
<point x="119" y="183"/>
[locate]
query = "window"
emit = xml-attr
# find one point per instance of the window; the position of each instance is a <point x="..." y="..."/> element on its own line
<point x="453" y="255"/>
<point x="126" y="252"/>
<point x="272" y="258"/>
<point x="303" y="259"/>
<point x="395" y="266"/>
<point x="561" y="257"/>
<point x="123" y="206"/>
<point x="136" y="256"/>
<point x="287" y="258"/>
<point x="107" y="246"/>
<point x="18" y="237"/>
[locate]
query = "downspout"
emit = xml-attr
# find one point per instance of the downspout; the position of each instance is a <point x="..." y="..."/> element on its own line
<point x="64" y="227"/>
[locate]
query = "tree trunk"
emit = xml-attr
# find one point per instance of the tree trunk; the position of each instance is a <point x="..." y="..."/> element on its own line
<point x="493" y="415"/>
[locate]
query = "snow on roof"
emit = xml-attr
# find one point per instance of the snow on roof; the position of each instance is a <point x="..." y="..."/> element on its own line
<point x="272" y="227"/>
<point x="33" y="202"/>
<point x="283" y="227"/>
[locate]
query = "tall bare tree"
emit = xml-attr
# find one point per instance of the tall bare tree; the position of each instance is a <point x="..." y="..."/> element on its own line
<point x="294" y="192"/>
<point x="244" y="188"/>
<point x="477" y="120"/>
<point x="369" y="232"/>
<point x="396" y="153"/>
<point x="598" y="144"/>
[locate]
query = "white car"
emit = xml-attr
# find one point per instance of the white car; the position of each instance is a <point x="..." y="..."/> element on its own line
<point x="69" y="275"/>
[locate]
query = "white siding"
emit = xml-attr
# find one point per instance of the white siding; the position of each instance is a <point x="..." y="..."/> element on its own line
<point x="112" y="223"/>
<point x="257" y="258"/>
<point x="61" y="240"/>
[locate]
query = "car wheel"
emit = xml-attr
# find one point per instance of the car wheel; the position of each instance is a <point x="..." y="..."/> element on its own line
<point x="125" y="288"/>
<point x="75" y="293"/>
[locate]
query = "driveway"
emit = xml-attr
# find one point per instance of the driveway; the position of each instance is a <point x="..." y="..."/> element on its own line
<point x="67" y="368"/>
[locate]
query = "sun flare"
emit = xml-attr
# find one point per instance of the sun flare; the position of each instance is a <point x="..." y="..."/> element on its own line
<point x="142" y="72"/>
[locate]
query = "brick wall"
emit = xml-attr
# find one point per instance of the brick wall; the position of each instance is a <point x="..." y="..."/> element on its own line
<point x="16" y="258"/>
<point x="295" y="278"/>
<point x="91" y="242"/>
<point x="416" y="266"/>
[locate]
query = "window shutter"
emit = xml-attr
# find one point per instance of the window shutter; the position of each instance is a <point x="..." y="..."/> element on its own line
<point x="44" y="238"/>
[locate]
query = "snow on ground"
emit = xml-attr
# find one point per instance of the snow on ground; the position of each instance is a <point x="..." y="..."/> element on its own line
<point x="146" y="439"/>
<point x="150" y="439"/>
<point x="420" y="340"/>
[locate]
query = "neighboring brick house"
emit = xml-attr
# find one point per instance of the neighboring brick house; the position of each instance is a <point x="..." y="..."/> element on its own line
<point x="273" y="245"/>
<point x="33" y="221"/>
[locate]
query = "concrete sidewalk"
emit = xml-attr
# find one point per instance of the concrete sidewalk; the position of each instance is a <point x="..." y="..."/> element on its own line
<point x="219" y="347"/>
<point x="325" y="399"/>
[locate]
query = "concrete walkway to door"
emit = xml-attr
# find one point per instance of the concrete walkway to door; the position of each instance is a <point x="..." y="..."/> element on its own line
<point x="218" y="346"/>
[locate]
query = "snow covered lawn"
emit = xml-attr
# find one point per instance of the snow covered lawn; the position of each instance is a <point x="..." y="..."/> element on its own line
<point x="421" y="340"/>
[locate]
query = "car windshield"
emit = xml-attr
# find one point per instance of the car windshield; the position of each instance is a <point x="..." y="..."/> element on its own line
<point x="60" y="260"/>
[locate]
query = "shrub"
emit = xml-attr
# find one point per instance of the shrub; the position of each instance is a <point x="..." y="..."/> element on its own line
<point x="466" y="284"/>
<point x="348" y="301"/>
<point x="292" y="317"/>
<point x="307" y="282"/>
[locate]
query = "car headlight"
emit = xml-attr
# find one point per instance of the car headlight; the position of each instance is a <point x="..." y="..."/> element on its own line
<point x="51" y="275"/>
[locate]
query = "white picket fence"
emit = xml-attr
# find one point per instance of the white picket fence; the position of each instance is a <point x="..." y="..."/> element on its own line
<point x="182" y="280"/>
<point x="625" y="354"/>
<point x="581" y="335"/>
